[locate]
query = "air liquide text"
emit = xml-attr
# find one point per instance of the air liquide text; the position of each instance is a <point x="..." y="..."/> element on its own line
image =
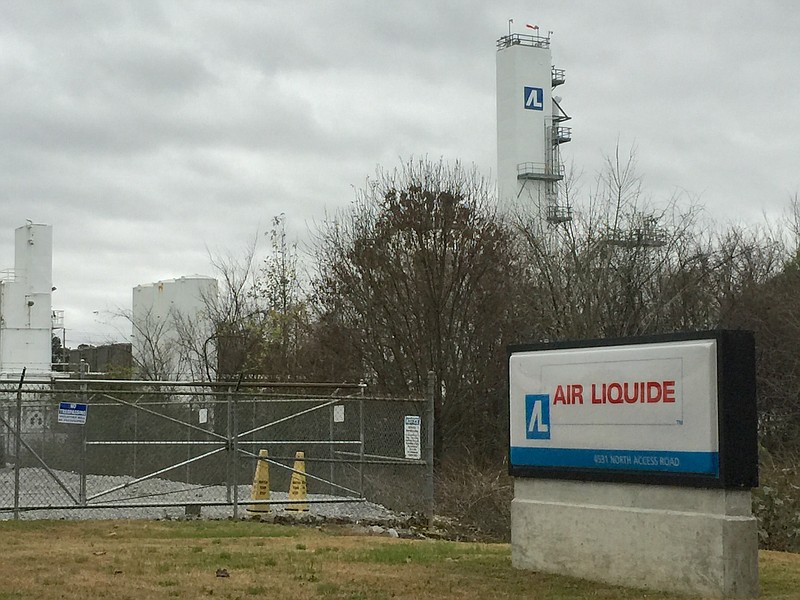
<point x="616" y="392"/>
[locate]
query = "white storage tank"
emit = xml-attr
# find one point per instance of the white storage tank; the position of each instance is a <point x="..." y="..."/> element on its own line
<point x="26" y="304"/>
<point x="168" y="317"/>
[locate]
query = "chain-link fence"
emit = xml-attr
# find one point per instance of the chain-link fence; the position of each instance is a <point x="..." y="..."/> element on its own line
<point x="80" y="446"/>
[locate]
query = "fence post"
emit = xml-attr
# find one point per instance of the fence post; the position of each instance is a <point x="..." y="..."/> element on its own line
<point x="331" y="451"/>
<point x="84" y="462"/>
<point x="235" y="452"/>
<point x="136" y="439"/>
<point x="429" y="425"/>
<point x="361" y="439"/>
<point x="190" y="419"/>
<point x="82" y="491"/>
<point x="18" y="445"/>
<point x="228" y="433"/>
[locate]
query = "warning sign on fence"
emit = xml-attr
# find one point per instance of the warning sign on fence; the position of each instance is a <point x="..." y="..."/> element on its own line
<point x="411" y="436"/>
<point x="72" y="413"/>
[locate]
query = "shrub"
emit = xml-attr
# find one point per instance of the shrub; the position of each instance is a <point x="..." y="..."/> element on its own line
<point x="476" y="496"/>
<point x="776" y="503"/>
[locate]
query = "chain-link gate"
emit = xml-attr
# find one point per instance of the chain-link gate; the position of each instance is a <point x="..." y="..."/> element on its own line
<point x="191" y="446"/>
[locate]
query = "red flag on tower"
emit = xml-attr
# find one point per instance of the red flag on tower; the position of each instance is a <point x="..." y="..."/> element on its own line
<point x="529" y="26"/>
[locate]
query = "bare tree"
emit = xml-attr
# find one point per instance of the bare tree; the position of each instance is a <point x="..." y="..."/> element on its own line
<point x="253" y="326"/>
<point x="278" y="292"/>
<point x="623" y="266"/>
<point x="760" y="293"/>
<point x="155" y="346"/>
<point x="237" y="321"/>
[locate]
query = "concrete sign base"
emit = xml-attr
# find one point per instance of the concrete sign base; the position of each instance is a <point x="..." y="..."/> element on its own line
<point x="677" y="539"/>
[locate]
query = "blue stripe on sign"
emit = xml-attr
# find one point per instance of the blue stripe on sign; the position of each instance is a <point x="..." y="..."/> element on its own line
<point x="627" y="460"/>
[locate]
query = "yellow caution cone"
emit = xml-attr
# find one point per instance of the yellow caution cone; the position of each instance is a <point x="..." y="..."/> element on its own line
<point x="297" y="489"/>
<point x="260" y="489"/>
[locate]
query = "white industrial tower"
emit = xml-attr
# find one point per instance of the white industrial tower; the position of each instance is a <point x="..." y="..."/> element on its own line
<point x="26" y="305"/>
<point x="530" y="129"/>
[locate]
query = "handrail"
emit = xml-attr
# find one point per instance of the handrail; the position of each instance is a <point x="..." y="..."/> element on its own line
<point x="521" y="39"/>
<point x="562" y="134"/>
<point x="557" y="213"/>
<point x="540" y="168"/>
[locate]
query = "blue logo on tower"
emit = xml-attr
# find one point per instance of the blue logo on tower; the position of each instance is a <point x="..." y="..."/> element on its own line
<point x="534" y="98"/>
<point x="537" y="416"/>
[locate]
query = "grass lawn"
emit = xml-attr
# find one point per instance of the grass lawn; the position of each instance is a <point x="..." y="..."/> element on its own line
<point x="180" y="559"/>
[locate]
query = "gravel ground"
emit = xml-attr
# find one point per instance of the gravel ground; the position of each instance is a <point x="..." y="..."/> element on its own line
<point x="38" y="488"/>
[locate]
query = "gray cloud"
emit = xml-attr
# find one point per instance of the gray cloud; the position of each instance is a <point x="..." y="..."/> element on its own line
<point x="148" y="132"/>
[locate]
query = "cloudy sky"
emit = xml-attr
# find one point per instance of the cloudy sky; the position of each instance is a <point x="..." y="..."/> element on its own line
<point x="149" y="133"/>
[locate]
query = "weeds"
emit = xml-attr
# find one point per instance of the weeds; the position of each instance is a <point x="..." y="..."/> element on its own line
<point x="477" y="496"/>
<point x="776" y="503"/>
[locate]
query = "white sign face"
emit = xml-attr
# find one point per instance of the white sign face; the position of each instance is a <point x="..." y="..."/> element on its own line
<point x="412" y="429"/>
<point x="338" y="413"/>
<point x="202" y="416"/>
<point x="641" y="407"/>
<point x="72" y="413"/>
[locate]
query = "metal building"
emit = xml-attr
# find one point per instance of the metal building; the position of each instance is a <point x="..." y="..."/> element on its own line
<point x="530" y="129"/>
<point x="26" y="316"/>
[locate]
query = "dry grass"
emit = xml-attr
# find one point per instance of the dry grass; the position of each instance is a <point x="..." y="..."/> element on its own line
<point x="124" y="559"/>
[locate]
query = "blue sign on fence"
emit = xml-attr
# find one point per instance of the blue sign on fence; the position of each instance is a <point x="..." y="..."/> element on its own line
<point x="72" y="413"/>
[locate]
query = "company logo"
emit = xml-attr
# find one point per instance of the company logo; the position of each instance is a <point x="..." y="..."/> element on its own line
<point x="537" y="416"/>
<point x="534" y="98"/>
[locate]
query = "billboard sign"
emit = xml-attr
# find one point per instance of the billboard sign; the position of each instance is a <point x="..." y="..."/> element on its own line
<point x="639" y="409"/>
